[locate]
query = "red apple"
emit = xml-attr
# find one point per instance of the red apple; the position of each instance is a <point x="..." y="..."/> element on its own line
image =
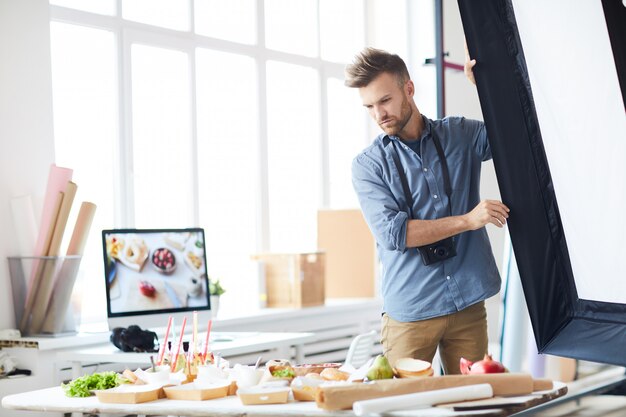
<point x="486" y="366"/>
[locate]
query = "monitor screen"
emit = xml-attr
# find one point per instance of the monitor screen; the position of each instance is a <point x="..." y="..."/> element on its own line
<point x="149" y="272"/>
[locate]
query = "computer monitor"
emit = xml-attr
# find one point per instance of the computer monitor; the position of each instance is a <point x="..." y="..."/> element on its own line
<point x="151" y="274"/>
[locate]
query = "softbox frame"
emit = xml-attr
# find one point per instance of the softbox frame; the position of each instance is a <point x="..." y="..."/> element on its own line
<point x="563" y="323"/>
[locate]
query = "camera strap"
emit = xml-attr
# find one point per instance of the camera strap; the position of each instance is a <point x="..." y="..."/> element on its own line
<point x="405" y="183"/>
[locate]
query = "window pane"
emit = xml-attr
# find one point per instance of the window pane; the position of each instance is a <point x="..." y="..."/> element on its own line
<point x="347" y="136"/>
<point x="227" y="168"/>
<point x="106" y="7"/>
<point x="293" y="156"/>
<point x="162" y="151"/>
<point x="390" y="13"/>
<point x="341" y="29"/>
<point x="291" y="26"/>
<point x="84" y="86"/>
<point x="171" y="14"/>
<point x="233" y="20"/>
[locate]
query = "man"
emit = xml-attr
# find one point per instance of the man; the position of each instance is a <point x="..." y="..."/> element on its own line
<point x="415" y="195"/>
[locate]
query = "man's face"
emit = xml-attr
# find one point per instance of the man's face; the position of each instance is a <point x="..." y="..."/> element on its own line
<point x="388" y="103"/>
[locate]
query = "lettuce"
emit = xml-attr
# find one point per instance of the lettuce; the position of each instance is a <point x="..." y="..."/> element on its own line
<point x="82" y="386"/>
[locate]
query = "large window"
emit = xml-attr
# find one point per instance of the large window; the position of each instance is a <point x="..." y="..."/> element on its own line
<point x="228" y="115"/>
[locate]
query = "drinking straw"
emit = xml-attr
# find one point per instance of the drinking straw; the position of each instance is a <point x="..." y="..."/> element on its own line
<point x="206" y="342"/>
<point x="180" y="342"/>
<point x="167" y="333"/>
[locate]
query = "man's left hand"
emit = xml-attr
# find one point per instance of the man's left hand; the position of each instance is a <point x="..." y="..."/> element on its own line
<point x="469" y="66"/>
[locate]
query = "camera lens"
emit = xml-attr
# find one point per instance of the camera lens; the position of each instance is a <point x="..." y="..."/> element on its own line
<point x="441" y="251"/>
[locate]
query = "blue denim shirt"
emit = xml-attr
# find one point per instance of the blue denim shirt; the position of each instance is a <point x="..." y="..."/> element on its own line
<point x="411" y="290"/>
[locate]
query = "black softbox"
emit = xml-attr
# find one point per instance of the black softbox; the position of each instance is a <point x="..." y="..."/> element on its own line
<point x="562" y="175"/>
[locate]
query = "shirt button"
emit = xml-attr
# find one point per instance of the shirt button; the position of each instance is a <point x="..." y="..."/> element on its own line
<point x="435" y="196"/>
<point x="425" y="169"/>
<point x="448" y="277"/>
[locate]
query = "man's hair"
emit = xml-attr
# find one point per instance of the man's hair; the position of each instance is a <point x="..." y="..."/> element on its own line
<point x="372" y="62"/>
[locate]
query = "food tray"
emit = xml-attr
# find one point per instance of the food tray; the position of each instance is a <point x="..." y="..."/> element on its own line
<point x="195" y="392"/>
<point x="129" y="394"/>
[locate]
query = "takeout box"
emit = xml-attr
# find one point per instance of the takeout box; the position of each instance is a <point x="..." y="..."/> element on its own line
<point x="129" y="394"/>
<point x="198" y="392"/>
<point x="304" y="393"/>
<point x="294" y="279"/>
<point x="305" y="388"/>
<point x="261" y="394"/>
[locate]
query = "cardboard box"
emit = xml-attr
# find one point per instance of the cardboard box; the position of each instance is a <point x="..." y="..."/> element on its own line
<point x="351" y="261"/>
<point x="294" y="279"/>
<point x="129" y="394"/>
<point x="197" y="392"/>
<point x="263" y="395"/>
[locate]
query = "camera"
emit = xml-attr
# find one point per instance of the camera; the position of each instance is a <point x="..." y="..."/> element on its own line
<point x="438" y="251"/>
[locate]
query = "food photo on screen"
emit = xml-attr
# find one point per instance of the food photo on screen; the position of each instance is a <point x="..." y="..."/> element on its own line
<point x="154" y="270"/>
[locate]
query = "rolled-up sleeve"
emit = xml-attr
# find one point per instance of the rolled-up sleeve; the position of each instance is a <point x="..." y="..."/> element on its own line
<point x="477" y="131"/>
<point x="380" y="207"/>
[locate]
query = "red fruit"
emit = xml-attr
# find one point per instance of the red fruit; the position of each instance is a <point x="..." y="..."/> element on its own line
<point x="486" y="366"/>
<point x="147" y="289"/>
<point x="465" y="366"/>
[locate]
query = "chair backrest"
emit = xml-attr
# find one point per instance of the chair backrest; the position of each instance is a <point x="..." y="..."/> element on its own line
<point x="360" y="350"/>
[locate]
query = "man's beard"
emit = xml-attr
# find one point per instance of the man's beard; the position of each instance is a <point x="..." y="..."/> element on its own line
<point x="405" y="115"/>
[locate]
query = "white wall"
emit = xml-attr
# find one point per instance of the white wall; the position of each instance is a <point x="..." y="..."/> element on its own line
<point x="26" y="131"/>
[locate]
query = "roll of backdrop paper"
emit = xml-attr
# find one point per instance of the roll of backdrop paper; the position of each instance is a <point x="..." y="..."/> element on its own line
<point x="57" y="182"/>
<point x="55" y="317"/>
<point x="422" y="399"/>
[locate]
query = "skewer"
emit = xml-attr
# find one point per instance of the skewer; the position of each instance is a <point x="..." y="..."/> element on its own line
<point x="162" y="350"/>
<point x="206" y="342"/>
<point x="180" y="342"/>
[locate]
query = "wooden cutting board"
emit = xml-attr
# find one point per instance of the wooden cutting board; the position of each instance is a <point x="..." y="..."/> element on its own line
<point x="135" y="300"/>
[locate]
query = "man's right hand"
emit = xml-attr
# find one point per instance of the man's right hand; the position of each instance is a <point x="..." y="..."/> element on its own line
<point x="487" y="211"/>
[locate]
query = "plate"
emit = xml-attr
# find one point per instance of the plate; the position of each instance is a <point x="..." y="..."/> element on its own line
<point x="163" y="260"/>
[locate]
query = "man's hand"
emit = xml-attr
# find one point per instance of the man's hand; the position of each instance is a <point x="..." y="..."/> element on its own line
<point x="469" y="66"/>
<point x="487" y="211"/>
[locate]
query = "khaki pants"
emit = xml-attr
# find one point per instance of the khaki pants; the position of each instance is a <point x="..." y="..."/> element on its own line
<point x="460" y="334"/>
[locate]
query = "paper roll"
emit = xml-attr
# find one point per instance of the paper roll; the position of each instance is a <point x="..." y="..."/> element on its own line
<point x="81" y="229"/>
<point x="422" y="399"/>
<point x="64" y="214"/>
<point x="38" y="269"/>
<point x="57" y="181"/>
<point x="341" y="397"/>
<point x="56" y="313"/>
<point x="47" y="280"/>
<point x="25" y="225"/>
<point x="58" y="178"/>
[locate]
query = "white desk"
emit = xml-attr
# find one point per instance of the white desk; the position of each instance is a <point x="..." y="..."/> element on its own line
<point x="225" y="343"/>
<point x="54" y="400"/>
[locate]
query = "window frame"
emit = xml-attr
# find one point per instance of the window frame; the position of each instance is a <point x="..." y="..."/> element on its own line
<point x="128" y="32"/>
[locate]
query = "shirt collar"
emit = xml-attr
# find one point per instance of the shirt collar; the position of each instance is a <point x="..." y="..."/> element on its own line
<point x="425" y="132"/>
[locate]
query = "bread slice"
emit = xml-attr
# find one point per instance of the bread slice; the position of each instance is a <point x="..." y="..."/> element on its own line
<point x="412" y="368"/>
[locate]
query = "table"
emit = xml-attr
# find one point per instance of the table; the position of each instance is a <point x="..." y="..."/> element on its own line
<point x="225" y="343"/>
<point x="53" y="400"/>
